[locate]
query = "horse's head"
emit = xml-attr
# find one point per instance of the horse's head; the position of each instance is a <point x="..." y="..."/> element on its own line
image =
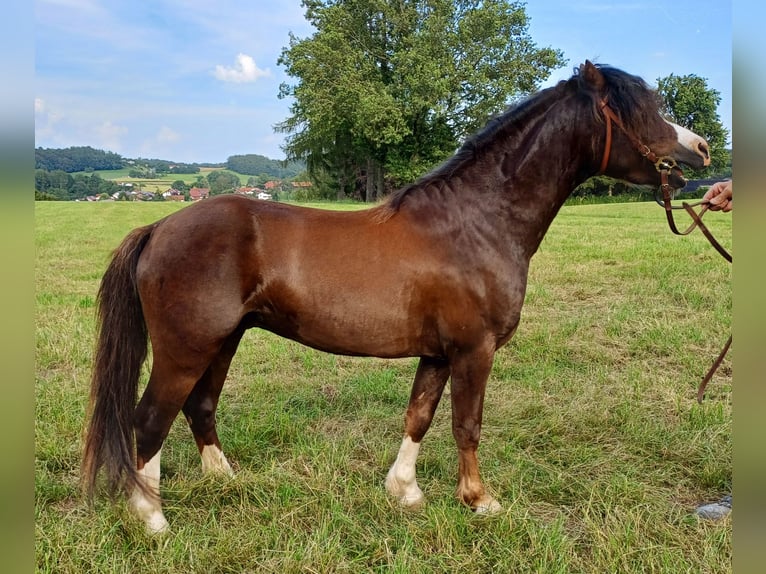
<point x="643" y="148"/>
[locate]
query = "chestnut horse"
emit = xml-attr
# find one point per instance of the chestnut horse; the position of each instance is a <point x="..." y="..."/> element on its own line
<point x="437" y="271"/>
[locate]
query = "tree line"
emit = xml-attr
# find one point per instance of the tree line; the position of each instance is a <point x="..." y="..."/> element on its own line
<point x="88" y="159"/>
<point x="66" y="174"/>
<point x="60" y="185"/>
<point x="259" y="165"/>
<point x="75" y="159"/>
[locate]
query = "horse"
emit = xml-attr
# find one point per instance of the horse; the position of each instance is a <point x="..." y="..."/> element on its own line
<point x="436" y="271"/>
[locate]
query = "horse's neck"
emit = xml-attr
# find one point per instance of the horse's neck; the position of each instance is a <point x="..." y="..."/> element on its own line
<point x="525" y="180"/>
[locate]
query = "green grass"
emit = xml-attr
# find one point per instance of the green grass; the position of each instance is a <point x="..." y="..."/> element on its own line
<point x="163" y="181"/>
<point x="592" y="437"/>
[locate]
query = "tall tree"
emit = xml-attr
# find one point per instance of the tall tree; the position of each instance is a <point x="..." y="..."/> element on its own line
<point x="690" y="103"/>
<point x="385" y="89"/>
<point x="222" y="181"/>
<point x="180" y="185"/>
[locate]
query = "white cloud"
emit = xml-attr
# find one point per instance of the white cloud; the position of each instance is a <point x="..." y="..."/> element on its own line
<point x="167" y="135"/>
<point x="162" y="144"/>
<point x="53" y="129"/>
<point x="43" y="114"/>
<point x="109" y="136"/>
<point x="245" y="70"/>
<point x="45" y="120"/>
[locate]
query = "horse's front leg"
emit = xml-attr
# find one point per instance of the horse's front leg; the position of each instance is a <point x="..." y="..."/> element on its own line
<point x="431" y="376"/>
<point x="470" y="372"/>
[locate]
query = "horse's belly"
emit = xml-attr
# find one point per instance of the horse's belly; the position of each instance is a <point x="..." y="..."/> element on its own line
<point x="351" y="332"/>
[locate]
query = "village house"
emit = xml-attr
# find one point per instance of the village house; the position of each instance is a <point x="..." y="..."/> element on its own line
<point x="197" y="193"/>
<point x="173" y="194"/>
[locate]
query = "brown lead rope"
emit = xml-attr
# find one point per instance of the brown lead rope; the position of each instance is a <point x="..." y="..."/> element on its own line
<point x="697" y="217"/>
<point x="713" y="369"/>
<point x="664" y="166"/>
<point x="696" y="222"/>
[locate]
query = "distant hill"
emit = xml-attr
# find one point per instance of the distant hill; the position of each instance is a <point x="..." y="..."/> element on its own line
<point x="86" y="158"/>
<point x="253" y="164"/>
<point x="76" y="159"/>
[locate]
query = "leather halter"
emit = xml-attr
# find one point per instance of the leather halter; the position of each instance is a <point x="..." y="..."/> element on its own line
<point x="664" y="165"/>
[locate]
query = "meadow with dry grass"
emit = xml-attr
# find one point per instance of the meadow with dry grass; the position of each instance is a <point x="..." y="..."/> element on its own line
<point x="592" y="438"/>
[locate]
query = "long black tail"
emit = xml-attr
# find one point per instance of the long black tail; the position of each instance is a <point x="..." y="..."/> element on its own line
<point x="120" y="352"/>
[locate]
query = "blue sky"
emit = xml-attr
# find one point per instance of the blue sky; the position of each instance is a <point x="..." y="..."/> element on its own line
<point x="197" y="80"/>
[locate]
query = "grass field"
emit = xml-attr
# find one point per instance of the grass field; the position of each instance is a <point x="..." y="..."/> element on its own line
<point x="592" y="440"/>
<point x="162" y="182"/>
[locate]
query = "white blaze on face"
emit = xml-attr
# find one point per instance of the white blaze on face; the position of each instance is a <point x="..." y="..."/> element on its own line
<point x="148" y="508"/>
<point x="691" y="141"/>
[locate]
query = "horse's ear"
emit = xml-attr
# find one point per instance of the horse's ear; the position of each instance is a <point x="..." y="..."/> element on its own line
<point x="592" y="76"/>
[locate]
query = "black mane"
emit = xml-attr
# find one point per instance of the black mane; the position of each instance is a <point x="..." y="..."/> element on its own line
<point x="629" y="97"/>
<point x="497" y="127"/>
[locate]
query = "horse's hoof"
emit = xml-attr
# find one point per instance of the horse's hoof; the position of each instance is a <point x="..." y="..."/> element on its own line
<point x="156" y="525"/>
<point x="408" y="496"/>
<point x="487" y="505"/>
<point x="214" y="462"/>
<point x="412" y="502"/>
<point x="149" y="512"/>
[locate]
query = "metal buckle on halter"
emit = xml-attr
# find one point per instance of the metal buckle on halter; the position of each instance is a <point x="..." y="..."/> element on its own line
<point x="665" y="163"/>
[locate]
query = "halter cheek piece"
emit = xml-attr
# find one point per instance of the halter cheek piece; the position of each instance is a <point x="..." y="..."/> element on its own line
<point x="665" y="165"/>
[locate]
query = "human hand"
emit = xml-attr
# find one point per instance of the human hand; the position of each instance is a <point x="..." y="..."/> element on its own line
<point x="719" y="196"/>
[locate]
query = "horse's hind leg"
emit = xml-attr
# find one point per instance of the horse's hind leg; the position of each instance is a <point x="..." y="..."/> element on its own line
<point x="431" y="376"/>
<point x="167" y="391"/>
<point x="201" y="405"/>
